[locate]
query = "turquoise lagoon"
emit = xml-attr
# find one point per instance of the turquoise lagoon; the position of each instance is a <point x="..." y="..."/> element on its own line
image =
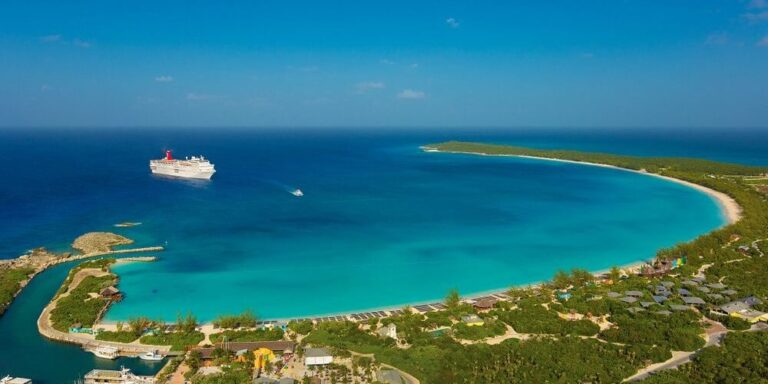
<point x="406" y="228"/>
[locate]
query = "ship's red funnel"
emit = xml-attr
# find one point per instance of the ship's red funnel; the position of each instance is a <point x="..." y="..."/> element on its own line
<point x="168" y="155"/>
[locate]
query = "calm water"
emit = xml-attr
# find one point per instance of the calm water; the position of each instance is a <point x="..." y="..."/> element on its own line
<point x="381" y="223"/>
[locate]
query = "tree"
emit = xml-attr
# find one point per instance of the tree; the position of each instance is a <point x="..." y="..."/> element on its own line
<point x="119" y="326"/>
<point x="615" y="273"/>
<point x="193" y="361"/>
<point x="452" y="299"/>
<point x="561" y="280"/>
<point x="186" y="324"/>
<point x="581" y="277"/>
<point x="139" y="324"/>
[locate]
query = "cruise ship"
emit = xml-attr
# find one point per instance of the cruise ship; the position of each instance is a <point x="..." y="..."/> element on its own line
<point x="189" y="168"/>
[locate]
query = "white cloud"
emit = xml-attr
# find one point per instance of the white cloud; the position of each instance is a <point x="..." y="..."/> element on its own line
<point x="81" y="43"/>
<point x="386" y="62"/>
<point x="720" y="38"/>
<point x="164" y="79"/>
<point x="192" y="96"/>
<point x="453" y="23"/>
<point x="51" y="39"/>
<point x="763" y="42"/>
<point x="365" y="86"/>
<point x="411" y="94"/>
<point x="758" y="4"/>
<point x="756" y="17"/>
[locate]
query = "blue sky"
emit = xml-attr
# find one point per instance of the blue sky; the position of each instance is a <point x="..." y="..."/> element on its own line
<point x="394" y="63"/>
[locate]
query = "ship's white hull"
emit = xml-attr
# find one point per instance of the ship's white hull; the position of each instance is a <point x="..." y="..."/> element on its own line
<point x="184" y="173"/>
<point x="151" y="357"/>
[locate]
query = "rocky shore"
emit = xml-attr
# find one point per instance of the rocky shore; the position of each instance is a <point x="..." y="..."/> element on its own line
<point x="99" y="242"/>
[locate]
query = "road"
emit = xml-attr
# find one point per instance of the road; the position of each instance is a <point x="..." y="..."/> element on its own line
<point x="679" y="358"/>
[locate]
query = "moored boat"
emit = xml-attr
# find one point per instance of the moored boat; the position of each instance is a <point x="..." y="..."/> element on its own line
<point x="151" y="356"/>
<point x="14" y="380"/>
<point x="110" y="353"/>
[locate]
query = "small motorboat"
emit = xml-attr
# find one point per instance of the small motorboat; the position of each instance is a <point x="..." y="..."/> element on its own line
<point x="110" y="353"/>
<point x="297" y="193"/>
<point x="151" y="356"/>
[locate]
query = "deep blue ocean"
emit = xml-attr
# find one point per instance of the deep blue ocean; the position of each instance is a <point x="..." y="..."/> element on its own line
<point x="381" y="223"/>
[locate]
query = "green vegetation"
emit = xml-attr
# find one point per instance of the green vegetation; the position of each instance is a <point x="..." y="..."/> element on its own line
<point x="117" y="336"/>
<point x="732" y="323"/>
<point x="78" y="306"/>
<point x="346" y="335"/>
<point x="252" y="335"/>
<point x="679" y="331"/>
<point x="650" y="164"/>
<point x="185" y="334"/>
<point x="301" y="327"/>
<point x="491" y="328"/>
<point x="740" y="359"/>
<point x="531" y="317"/>
<point x="246" y="319"/>
<point x="10" y="283"/>
<point x="178" y="341"/>
<point x="452" y="299"/>
<point x="102" y="264"/>
<point x="137" y="326"/>
<point x="237" y="373"/>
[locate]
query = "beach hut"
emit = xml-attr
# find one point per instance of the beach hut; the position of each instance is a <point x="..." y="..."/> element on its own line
<point x="111" y="293"/>
<point x="743" y="309"/>
<point x="716" y="286"/>
<point x="485" y="304"/>
<point x="317" y="356"/>
<point x="693" y="300"/>
<point x="472" y="320"/>
<point x="389" y="330"/>
<point x="715" y="296"/>
<point x="629" y="299"/>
